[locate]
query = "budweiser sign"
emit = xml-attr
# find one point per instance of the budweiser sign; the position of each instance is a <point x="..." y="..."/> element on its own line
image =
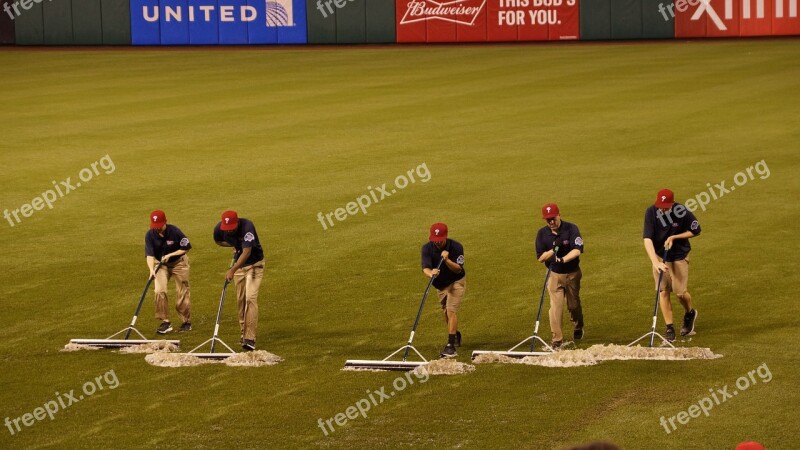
<point x="455" y="12"/>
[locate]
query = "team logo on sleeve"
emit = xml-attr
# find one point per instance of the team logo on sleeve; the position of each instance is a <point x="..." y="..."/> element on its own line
<point x="249" y="237"/>
<point x="460" y="259"/>
<point x="578" y="241"/>
<point x="184" y="242"/>
<point x="695" y="225"/>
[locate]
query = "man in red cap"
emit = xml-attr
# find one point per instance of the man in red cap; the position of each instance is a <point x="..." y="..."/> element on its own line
<point x="750" y="445"/>
<point x="247" y="270"/>
<point x="449" y="281"/>
<point x="167" y="244"/>
<point x="669" y="225"/>
<point x="559" y="246"/>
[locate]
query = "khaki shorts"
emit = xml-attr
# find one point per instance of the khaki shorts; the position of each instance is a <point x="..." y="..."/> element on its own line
<point x="450" y="297"/>
<point x="676" y="279"/>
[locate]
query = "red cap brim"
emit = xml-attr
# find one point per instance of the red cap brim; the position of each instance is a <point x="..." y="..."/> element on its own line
<point x="228" y="227"/>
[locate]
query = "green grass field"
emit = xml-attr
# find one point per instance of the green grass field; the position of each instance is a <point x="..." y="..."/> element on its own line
<point x="281" y="135"/>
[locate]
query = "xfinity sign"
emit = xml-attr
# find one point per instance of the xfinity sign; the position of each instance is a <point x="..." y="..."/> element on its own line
<point x="750" y="9"/>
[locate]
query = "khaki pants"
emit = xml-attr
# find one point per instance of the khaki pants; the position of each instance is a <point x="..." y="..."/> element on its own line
<point x="248" y="282"/>
<point x="450" y="297"/>
<point x="564" y="287"/>
<point x="676" y="279"/>
<point x="183" y="303"/>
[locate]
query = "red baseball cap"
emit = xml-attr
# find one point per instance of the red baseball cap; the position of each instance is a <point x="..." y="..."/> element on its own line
<point x="750" y="445"/>
<point x="438" y="232"/>
<point x="157" y="219"/>
<point x="230" y="221"/>
<point x="549" y="211"/>
<point x="665" y="199"/>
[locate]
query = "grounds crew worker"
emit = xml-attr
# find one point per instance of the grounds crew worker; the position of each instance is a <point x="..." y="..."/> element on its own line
<point x="450" y="281"/>
<point x="247" y="271"/>
<point x="670" y="225"/>
<point x="167" y="244"/>
<point x="565" y="275"/>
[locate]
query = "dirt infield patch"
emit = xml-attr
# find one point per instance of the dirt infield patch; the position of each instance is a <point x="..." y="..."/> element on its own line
<point x="598" y="353"/>
<point x="151" y="347"/>
<point x="447" y="367"/>
<point x="162" y="359"/>
<point x="257" y="358"/>
<point x="78" y="347"/>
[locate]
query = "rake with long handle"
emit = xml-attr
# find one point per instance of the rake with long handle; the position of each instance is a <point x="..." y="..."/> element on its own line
<point x="110" y="342"/>
<point x="512" y="352"/>
<point x="541" y="302"/>
<point x="419" y="312"/>
<point x="141" y="301"/>
<point x="215" y="338"/>
<point x="389" y="364"/>
<point x="653" y="332"/>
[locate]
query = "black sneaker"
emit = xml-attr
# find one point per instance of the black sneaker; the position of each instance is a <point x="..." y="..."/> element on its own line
<point x="555" y="345"/>
<point x="449" y="351"/>
<point x="186" y="326"/>
<point x="688" y="322"/>
<point x="249" y="345"/>
<point x="458" y="339"/>
<point x="164" y="328"/>
<point x="670" y="333"/>
<point x="577" y="334"/>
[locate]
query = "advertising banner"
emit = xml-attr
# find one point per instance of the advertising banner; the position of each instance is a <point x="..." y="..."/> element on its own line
<point x="534" y="20"/>
<point x="785" y="20"/>
<point x="733" y="18"/>
<point x="226" y="22"/>
<point x="437" y="21"/>
<point x="487" y="20"/>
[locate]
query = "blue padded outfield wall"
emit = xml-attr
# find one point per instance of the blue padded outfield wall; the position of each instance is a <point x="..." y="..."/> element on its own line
<point x="212" y="22"/>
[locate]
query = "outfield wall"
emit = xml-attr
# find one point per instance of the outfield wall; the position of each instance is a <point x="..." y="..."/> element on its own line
<point x="260" y="22"/>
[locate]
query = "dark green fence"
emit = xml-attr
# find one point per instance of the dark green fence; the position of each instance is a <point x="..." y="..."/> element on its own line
<point x="108" y="22"/>
<point x="625" y="19"/>
<point x="70" y="22"/>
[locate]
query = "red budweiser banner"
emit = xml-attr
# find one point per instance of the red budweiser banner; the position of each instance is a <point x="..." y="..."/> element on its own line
<point x="487" y="20"/>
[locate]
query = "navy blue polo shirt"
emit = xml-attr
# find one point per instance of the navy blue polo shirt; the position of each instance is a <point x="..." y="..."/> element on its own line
<point x="244" y="236"/>
<point x="659" y="226"/>
<point x="173" y="240"/>
<point x="431" y="256"/>
<point x="567" y="239"/>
